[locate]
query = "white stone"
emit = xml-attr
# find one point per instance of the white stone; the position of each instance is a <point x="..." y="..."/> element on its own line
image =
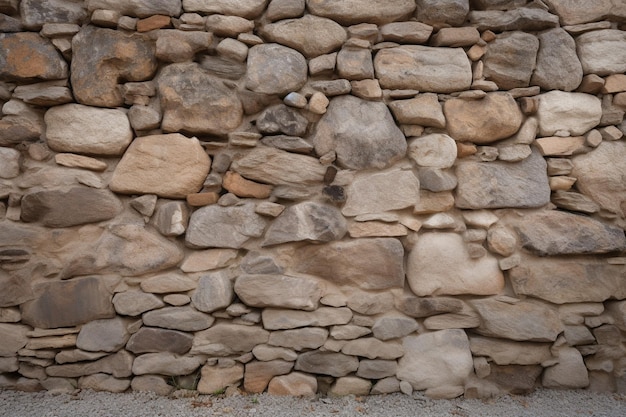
<point x="436" y="150"/>
<point x="575" y="113"/>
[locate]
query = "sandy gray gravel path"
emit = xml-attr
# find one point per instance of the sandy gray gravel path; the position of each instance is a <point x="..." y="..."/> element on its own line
<point x="548" y="403"/>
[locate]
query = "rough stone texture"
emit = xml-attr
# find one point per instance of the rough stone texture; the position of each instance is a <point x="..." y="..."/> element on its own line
<point x="259" y="374"/>
<point x="440" y="264"/>
<point x="441" y="13"/>
<point x="143" y="170"/>
<point x="380" y="264"/>
<point x="14" y="338"/>
<point x="295" y="384"/>
<point x="362" y="134"/>
<point x="69" y="207"/>
<point x="29" y="57"/>
<point x="601" y="52"/>
<point x="326" y="363"/>
<point x="133" y="303"/>
<point x="575" y="113"/>
<point x="275" y="69"/>
<point x="569" y="372"/>
<point x="510" y="59"/>
<point x="103" y="335"/>
<point x="520" y="321"/>
<point x="224" y="227"/>
<point x="504" y="352"/>
<point x="216" y="378"/>
<point x="178" y="318"/>
<point x="359" y="11"/>
<point x="243" y="8"/>
<point x="422" y="110"/>
<point x="570" y="280"/>
<point x="558" y="67"/>
<point x="275" y="319"/>
<point x="282" y="119"/>
<point x="423" y="68"/>
<point x="214" y="292"/>
<point x="280" y="291"/>
<point x="436" y="359"/>
<point x="165" y="363"/>
<point x="36" y="13"/>
<point x="560" y="233"/>
<point x="299" y="339"/>
<point x="225" y="339"/>
<point x="600" y="175"/>
<point x="274" y="166"/>
<point x="101" y="57"/>
<point x="521" y="184"/>
<point x="69" y="128"/>
<point x="126" y="249"/>
<point x="52" y="305"/>
<point x="310" y="35"/>
<point x="153" y="340"/>
<point x="526" y="19"/>
<point x="466" y="121"/>
<point x="379" y="192"/>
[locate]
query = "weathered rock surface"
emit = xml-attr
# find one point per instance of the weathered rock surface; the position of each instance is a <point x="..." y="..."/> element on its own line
<point x="310" y="35"/>
<point x="14" y="338"/>
<point x="465" y="121"/>
<point x="165" y="363"/>
<point x="295" y="384"/>
<point x="275" y="69"/>
<point x="224" y="227"/>
<point x="601" y="52"/>
<point x="225" y="339"/>
<point x="380" y="264"/>
<point x="299" y="339"/>
<point x="53" y="304"/>
<point x="126" y="249"/>
<point x="423" y="110"/>
<point x="575" y="113"/>
<point x="437" y="359"/>
<point x="214" y="292"/>
<point x="558" y="67"/>
<point x="153" y="340"/>
<point x="575" y="13"/>
<point x="275" y="319"/>
<point x="282" y="291"/>
<point x="570" y="280"/>
<point x="243" y="8"/>
<point x="440" y="264"/>
<point x="216" y="378"/>
<point x="360" y="11"/>
<point x="510" y="59"/>
<point x="133" y="303"/>
<point x="601" y="177"/>
<point x="504" y="352"/>
<point x="441" y="13"/>
<point x="196" y="102"/>
<point x="559" y="233"/>
<point x="525" y="19"/>
<point x="36" y="14"/>
<point x="143" y="170"/>
<point x="108" y="335"/>
<point x="362" y="134"/>
<point x="102" y="57"/>
<point x="423" y="68"/>
<point x="138" y="8"/>
<point x="520" y="321"/>
<point x="502" y="184"/>
<point x="569" y="372"/>
<point x="29" y="56"/>
<point x="282" y="119"/>
<point x="326" y="363"/>
<point x="178" y="318"/>
<point x="383" y="191"/>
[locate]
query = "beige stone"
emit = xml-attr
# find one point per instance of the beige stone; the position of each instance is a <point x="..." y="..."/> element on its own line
<point x="276" y="319"/>
<point x="225" y="339"/>
<point x="373" y="348"/>
<point x="279" y="291"/>
<point x="207" y="260"/>
<point x="214" y="379"/>
<point x="295" y="384"/>
<point x="79" y="161"/>
<point x="350" y="385"/>
<point x="259" y="374"/>
<point x="423" y="110"/>
<point x="455" y="37"/>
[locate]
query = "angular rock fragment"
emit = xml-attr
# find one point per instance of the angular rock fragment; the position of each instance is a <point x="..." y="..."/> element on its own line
<point x="510" y="59"/>
<point x="27" y="56"/>
<point x="524" y="19"/>
<point x="153" y="340"/>
<point x="214" y="292"/>
<point x="282" y="119"/>
<point x="558" y="67"/>
<point x="102" y="57"/>
<point x="144" y="170"/>
<point x="362" y="133"/>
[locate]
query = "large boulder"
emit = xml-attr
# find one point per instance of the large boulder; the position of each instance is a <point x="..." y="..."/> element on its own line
<point x="69" y="207"/>
<point x="196" y="102"/>
<point x="369" y="263"/>
<point x="55" y="303"/>
<point x="560" y="233"/>
<point x="382" y="191"/>
<point x="71" y="128"/>
<point x="224" y="227"/>
<point x="123" y="249"/>
<point x="170" y="166"/>
<point x="103" y="57"/>
<point x="510" y="59"/>
<point x="575" y="113"/>
<point x="466" y="119"/>
<point x="440" y="264"/>
<point x="435" y="360"/>
<point x="275" y="69"/>
<point x="558" y="67"/>
<point x="602" y="52"/>
<point x="27" y="56"/>
<point x="362" y="133"/>
<point x="306" y="221"/>
<point x="600" y="175"/>
<point x="521" y="184"/>
<point x="310" y="35"/>
<point x="350" y="12"/>
<point x="423" y="68"/>
<point x="561" y="281"/>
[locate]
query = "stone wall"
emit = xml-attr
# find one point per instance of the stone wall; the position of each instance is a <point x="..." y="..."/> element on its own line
<point x="357" y="196"/>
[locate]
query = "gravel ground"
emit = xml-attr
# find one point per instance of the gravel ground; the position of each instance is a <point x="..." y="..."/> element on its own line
<point x="549" y="403"/>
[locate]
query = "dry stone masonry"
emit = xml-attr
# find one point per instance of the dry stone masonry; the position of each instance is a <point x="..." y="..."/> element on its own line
<point x="313" y="196"/>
